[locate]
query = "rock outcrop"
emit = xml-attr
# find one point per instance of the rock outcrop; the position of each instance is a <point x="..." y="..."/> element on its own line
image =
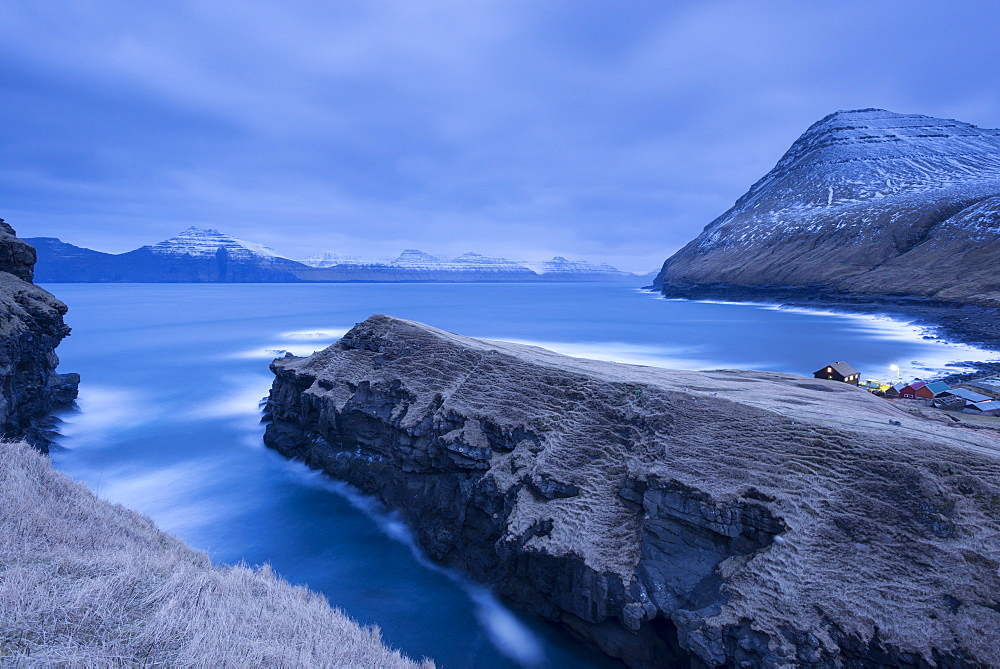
<point x="865" y="203"/>
<point x="31" y="326"/>
<point x="714" y="518"/>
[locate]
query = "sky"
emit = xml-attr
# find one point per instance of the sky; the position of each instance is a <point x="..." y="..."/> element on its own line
<point x="608" y="131"/>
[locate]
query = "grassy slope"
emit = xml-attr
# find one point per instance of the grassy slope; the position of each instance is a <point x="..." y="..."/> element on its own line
<point x="84" y="582"/>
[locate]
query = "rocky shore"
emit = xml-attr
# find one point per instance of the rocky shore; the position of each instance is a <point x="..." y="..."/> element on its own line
<point x="31" y="326"/>
<point x="715" y="518"/>
<point x="87" y="583"/>
<point x="966" y="323"/>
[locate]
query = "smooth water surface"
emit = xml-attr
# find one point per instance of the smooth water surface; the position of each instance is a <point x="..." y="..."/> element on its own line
<point x="169" y="423"/>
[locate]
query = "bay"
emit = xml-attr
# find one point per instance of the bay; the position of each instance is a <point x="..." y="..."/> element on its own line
<point x="169" y="423"/>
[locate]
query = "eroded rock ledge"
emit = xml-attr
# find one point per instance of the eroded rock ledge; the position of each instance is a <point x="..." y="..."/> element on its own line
<point x="31" y="326"/>
<point x="713" y="518"/>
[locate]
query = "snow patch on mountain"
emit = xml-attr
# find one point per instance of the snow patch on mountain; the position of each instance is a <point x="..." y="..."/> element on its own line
<point x="203" y="242"/>
<point x="332" y="259"/>
<point x="864" y="202"/>
<point x="852" y="165"/>
<point x="415" y="260"/>
<point x="559" y="265"/>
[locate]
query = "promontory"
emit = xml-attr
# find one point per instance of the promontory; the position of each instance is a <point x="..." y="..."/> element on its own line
<point x="713" y="518"/>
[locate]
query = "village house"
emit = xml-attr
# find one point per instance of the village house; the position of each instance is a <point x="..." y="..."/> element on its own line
<point x="875" y="384"/>
<point x="839" y="371"/>
<point x="935" y="389"/>
<point x="956" y="399"/>
<point x="893" y="392"/>
<point x="909" y="391"/>
<point x="917" y="390"/>
<point x="951" y="403"/>
<point x="988" y="408"/>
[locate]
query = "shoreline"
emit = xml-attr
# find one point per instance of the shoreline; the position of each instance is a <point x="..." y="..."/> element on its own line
<point x="959" y="323"/>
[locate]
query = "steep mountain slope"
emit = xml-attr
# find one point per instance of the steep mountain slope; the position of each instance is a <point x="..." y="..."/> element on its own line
<point x="31" y="326"/>
<point x="59" y="262"/>
<point x="865" y="202"/>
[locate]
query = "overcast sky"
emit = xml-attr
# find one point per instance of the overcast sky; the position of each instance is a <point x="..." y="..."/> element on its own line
<point x="602" y="130"/>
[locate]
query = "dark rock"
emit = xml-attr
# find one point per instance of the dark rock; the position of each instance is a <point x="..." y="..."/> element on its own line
<point x="31" y="326"/>
<point x="705" y="526"/>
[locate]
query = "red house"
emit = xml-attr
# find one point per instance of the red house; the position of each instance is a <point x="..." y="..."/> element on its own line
<point x="916" y="389"/>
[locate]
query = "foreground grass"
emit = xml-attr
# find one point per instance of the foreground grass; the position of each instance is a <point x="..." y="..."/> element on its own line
<point x="84" y="582"/>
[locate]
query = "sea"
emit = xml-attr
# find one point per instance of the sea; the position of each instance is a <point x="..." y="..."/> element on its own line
<point x="168" y="423"/>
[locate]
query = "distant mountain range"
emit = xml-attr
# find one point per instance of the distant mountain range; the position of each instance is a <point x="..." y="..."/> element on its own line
<point x="205" y="255"/>
<point x="865" y="203"/>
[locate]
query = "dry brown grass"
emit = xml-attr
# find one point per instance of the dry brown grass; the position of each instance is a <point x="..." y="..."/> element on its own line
<point x="86" y="583"/>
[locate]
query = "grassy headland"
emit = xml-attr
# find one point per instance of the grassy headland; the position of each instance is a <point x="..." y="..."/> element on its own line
<point x="85" y="582"/>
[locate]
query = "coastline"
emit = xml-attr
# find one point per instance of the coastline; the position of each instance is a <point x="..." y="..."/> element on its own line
<point x="961" y="323"/>
<point x="504" y="460"/>
<point x="91" y="583"/>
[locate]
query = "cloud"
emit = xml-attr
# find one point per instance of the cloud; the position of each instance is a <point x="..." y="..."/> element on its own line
<point x="514" y="128"/>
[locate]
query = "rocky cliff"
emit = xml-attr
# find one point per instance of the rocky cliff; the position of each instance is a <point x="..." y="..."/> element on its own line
<point x="706" y="518"/>
<point x="865" y="203"/>
<point x="31" y="326"/>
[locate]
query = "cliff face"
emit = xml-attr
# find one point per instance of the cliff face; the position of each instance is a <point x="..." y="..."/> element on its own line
<point x="866" y="202"/>
<point x="31" y="326"/>
<point x="728" y="517"/>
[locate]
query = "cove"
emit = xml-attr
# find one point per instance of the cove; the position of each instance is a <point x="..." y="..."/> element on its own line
<point x="169" y="423"/>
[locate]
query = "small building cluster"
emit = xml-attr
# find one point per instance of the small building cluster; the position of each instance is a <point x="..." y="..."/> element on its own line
<point x="917" y="390"/>
<point x="936" y="393"/>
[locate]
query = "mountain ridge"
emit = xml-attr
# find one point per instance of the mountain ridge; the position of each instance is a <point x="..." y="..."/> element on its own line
<point x="207" y="255"/>
<point x="865" y="202"/>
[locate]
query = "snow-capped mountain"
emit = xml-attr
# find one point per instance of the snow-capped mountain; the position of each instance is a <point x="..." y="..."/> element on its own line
<point x="415" y="265"/>
<point x="864" y="202"/>
<point x="195" y="255"/>
<point x="419" y="261"/>
<point x="559" y="267"/>
<point x="205" y="255"/>
<point x="332" y="258"/>
<point x="205" y="242"/>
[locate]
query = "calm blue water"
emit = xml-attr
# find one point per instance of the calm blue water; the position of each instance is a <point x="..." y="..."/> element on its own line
<point x="169" y="423"/>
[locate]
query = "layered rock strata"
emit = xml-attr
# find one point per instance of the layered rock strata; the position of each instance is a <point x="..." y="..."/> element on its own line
<point x="31" y="326"/>
<point x="865" y="203"/>
<point x="707" y="518"/>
